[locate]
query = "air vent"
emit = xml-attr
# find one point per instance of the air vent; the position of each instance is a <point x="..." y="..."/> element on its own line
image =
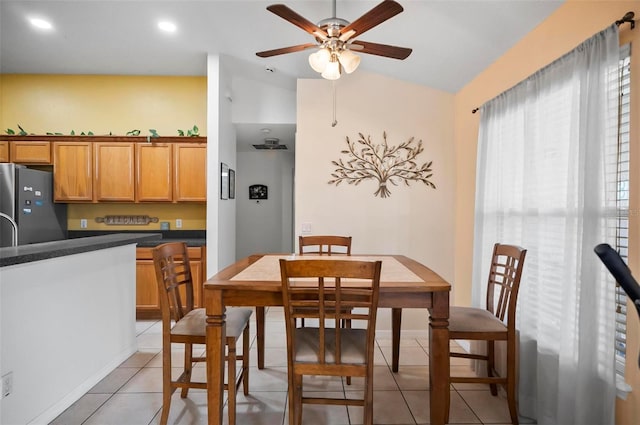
<point x="271" y="144"/>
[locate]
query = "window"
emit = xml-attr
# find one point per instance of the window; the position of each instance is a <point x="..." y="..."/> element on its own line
<point x="622" y="200"/>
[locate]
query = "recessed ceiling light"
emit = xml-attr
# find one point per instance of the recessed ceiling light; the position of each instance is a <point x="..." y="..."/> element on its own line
<point x="167" y="26"/>
<point x="40" y="23"/>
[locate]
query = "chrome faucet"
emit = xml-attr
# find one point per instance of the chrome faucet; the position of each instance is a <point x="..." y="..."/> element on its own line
<point x="14" y="225"/>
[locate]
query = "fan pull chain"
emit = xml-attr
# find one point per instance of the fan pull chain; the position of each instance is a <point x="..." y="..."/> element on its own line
<point x="335" y="121"/>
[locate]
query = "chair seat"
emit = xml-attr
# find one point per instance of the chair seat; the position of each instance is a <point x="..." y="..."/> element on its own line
<point x="194" y="322"/>
<point x="469" y="319"/>
<point x="353" y="345"/>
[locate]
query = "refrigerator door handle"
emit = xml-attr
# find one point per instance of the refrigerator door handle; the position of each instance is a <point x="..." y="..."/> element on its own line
<point x="14" y="225"/>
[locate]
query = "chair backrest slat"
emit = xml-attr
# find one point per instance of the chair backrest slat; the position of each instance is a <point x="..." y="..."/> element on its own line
<point x="331" y="297"/>
<point x="324" y="245"/>
<point x="504" y="281"/>
<point x="175" y="283"/>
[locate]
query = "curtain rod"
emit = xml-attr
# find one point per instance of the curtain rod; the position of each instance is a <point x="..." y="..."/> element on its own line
<point x="628" y="17"/>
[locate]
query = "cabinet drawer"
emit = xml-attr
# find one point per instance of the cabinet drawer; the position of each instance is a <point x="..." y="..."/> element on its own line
<point x="30" y="152"/>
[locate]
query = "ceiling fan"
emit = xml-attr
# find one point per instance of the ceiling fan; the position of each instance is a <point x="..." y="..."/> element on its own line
<point x="336" y="39"/>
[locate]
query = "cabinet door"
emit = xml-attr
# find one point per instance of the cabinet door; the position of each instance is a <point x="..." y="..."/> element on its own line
<point x="4" y="151"/>
<point x="72" y="171"/>
<point x="190" y="172"/>
<point x="114" y="175"/>
<point x="154" y="180"/>
<point x="147" y="301"/>
<point x="30" y="152"/>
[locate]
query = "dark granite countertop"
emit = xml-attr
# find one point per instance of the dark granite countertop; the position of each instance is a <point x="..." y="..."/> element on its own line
<point x="155" y="242"/>
<point x="43" y="251"/>
<point x="195" y="238"/>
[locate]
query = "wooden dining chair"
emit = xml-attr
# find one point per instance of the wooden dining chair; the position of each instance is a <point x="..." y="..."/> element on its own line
<point x="621" y="273"/>
<point x="328" y="293"/>
<point x="324" y="245"/>
<point x="184" y="324"/>
<point x="496" y="322"/>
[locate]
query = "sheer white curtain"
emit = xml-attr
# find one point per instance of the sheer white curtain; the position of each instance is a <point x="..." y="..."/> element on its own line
<point x="546" y="180"/>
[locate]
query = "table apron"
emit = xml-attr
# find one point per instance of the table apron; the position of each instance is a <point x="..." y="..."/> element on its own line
<point x="252" y="298"/>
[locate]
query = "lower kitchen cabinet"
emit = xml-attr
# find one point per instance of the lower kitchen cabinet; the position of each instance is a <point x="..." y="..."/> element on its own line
<point x="147" y="298"/>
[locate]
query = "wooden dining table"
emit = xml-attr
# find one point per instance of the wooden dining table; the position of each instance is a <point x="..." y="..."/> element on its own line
<point x="255" y="281"/>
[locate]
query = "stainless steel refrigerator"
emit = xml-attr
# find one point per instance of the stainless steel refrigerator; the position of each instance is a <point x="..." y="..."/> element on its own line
<point x="26" y="198"/>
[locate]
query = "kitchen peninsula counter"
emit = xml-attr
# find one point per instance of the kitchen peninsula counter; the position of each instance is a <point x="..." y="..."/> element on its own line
<point x="67" y="317"/>
<point x="47" y="250"/>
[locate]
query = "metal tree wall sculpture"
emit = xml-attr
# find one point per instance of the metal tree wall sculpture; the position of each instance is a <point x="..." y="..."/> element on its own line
<point x="387" y="164"/>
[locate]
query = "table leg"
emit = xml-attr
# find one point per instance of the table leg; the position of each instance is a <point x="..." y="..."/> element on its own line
<point x="439" y="358"/>
<point x="215" y="338"/>
<point x="396" y="321"/>
<point x="260" y="335"/>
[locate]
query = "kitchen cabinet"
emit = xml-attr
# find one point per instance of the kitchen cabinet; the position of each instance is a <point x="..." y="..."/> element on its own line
<point x="32" y="152"/>
<point x="119" y="169"/>
<point x="154" y="173"/>
<point x="4" y="151"/>
<point x="73" y="171"/>
<point x="114" y="176"/>
<point x="190" y="172"/>
<point x="147" y="300"/>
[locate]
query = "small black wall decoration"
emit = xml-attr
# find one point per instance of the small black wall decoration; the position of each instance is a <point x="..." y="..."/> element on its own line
<point x="258" y="191"/>
<point x="387" y="164"/>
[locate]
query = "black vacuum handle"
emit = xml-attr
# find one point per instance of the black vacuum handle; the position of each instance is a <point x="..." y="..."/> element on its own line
<point x="619" y="270"/>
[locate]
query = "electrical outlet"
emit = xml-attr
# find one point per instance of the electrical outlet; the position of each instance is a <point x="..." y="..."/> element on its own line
<point x="7" y="384"/>
<point x="83" y="223"/>
<point x="178" y="223"/>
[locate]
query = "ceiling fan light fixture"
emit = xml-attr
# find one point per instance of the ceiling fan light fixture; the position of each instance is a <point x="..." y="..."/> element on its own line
<point x="332" y="71"/>
<point x="320" y="59"/>
<point x="349" y="61"/>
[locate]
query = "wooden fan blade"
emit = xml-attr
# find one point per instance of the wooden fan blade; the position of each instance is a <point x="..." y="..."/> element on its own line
<point x="282" y="51"/>
<point x="289" y="15"/>
<point x="385" y="10"/>
<point x="385" y="50"/>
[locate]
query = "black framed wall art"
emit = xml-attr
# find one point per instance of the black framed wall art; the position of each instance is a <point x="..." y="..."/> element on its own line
<point x="232" y="184"/>
<point x="258" y="191"/>
<point x="224" y="181"/>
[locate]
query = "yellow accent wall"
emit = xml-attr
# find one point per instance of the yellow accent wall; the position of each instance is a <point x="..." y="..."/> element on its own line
<point x="571" y="24"/>
<point x="107" y="104"/>
<point x="102" y="103"/>
<point x="193" y="215"/>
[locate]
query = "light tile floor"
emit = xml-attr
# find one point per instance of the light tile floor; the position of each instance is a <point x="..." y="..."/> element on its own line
<point x="132" y="394"/>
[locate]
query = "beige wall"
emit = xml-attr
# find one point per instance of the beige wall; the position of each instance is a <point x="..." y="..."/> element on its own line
<point x="572" y="23"/>
<point x="416" y="221"/>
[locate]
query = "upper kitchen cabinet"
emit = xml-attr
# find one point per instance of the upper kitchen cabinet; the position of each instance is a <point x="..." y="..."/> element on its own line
<point x="73" y="171"/>
<point x="190" y="172"/>
<point x="32" y="152"/>
<point x="4" y="151"/>
<point x="114" y="175"/>
<point x="154" y="174"/>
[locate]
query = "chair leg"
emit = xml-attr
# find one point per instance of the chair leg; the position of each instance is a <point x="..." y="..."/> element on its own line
<point x="491" y="365"/>
<point x="511" y="381"/>
<point x="347" y="325"/>
<point x="245" y="360"/>
<point x="260" y="335"/>
<point x="396" y="321"/>
<point x="167" y="390"/>
<point x="231" y="379"/>
<point x="298" y="399"/>
<point x="188" y="364"/>
<point x="368" y="400"/>
<point x="291" y="395"/>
